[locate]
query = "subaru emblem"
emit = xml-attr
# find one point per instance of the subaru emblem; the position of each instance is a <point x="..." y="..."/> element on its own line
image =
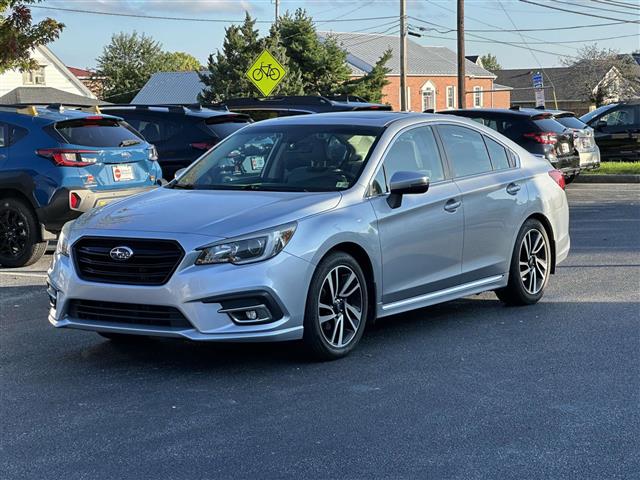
<point x="121" y="254"/>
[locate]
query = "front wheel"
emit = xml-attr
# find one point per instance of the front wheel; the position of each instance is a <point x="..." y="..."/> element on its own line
<point x="337" y="307"/>
<point x="19" y="232"/>
<point x="530" y="266"/>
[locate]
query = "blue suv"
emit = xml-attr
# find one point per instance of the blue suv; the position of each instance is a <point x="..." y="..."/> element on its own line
<point x="57" y="163"/>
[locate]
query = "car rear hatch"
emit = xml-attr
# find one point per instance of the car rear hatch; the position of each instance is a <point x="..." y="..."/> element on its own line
<point x="109" y="152"/>
<point x="554" y="133"/>
<point x="583" y="137"/>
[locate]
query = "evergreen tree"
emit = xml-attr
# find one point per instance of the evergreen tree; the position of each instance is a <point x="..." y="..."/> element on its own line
<point x="490" y="62"/>
<point x="370" y="85"/>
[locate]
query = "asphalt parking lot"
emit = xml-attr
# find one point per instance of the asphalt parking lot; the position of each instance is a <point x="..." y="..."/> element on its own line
<point x="469" y="389"/>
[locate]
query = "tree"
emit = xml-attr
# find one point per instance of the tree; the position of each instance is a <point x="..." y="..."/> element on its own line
<point x="370" y="85"/>
<point x="179" y="62"/>
<point x="602" y="75"/>
<point x="322" y="65"/>
<point x="490" y="62"/>
<point x="225" y="76"/>
<point x="18" y="36"/>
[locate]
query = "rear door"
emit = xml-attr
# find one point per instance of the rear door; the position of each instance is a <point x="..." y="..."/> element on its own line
<point x="618" y="133"/>
<point x="494" y="198"/>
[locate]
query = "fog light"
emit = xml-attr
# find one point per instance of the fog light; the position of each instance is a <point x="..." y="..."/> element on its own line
<point x="252" y="314"/>
<point x="249" y="314"/>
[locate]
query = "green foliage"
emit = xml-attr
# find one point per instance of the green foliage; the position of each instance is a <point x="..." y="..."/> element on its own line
<point x="490" y="62"/>
<point x="179" y="62"/>
<point x="313" y="66"/>
<point x="18" y="36"/>
<point x="370" y="86"/>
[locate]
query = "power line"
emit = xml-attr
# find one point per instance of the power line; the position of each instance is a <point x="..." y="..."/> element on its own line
<point x="632" y="6"/>
<point x="609" y="10"/>
<point x="192" y="19"/>
<point x="578" y="12"/>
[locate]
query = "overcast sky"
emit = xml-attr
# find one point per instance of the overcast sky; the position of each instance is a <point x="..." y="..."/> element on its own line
<point x="86" y="34"/>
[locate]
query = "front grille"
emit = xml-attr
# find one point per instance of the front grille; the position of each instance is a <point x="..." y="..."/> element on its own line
<point x="152" y="263"/>
<point x="128" y="313"/>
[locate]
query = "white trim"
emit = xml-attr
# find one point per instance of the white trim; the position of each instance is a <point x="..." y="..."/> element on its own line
<point x="426" y="87"/>
<point x="477" y="93"/>
<point x="452" y="105"/>
<point x="65" y="71"/>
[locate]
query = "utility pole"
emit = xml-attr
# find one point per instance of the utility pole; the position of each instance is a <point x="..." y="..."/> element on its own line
<point x="277" y="2"/>
<point x="462" y="95"/>
<point x="403" y="55"/>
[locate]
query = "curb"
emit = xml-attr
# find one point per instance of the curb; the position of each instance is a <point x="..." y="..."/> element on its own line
<point x="607" y="179"/>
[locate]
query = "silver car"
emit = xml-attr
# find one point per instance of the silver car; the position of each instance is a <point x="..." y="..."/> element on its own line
<point x="307" y="228"/>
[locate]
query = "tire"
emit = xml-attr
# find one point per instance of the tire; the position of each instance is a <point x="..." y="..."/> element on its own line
<point x="528" y="288"/>
<point x="19" y="234"/>
<point x="331" y="324"/>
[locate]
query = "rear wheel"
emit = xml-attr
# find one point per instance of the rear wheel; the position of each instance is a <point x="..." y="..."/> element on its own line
<point x="337" y="307"/>
<point x="530" y="266"/>
<point x="19" y="234"/>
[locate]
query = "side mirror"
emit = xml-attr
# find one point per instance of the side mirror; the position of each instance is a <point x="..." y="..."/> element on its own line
<point x="179" y="172"/>
<point x="406" y="183"/>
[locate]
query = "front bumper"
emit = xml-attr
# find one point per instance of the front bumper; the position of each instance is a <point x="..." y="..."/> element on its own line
<point x="199" y="293"/>
<point x="59" y="211"/>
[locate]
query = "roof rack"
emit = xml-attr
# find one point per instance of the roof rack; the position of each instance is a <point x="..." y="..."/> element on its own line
<point x="172" y="107"/>
<point x="514" y="107"/>
<point x="347" y="98"/>
<point x="31" y="108"/>
<point x="290" y="100"/>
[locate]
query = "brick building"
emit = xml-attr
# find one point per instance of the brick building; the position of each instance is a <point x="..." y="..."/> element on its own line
<point x="431" y="73"/>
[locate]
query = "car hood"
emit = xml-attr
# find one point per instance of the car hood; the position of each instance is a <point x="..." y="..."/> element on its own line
<point x="219" y="213"/>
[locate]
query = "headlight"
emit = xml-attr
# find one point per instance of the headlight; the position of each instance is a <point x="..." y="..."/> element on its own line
<point x="62" y="248"/>
<point x="249" y="248"/>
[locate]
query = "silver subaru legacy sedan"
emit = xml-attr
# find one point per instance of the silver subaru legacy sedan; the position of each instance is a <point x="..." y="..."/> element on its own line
<point x="307" y="228"/>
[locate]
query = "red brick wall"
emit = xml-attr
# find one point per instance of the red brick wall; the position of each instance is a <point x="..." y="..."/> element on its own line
<point x="415" y="83"/>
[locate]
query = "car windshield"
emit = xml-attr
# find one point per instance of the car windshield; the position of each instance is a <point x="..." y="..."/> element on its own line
<point x="296" y="158"/>
<point x="586" y="118"/>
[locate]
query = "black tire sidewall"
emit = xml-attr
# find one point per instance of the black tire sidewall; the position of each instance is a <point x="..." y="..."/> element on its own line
<point x="33" y="244"/>
<point x="312" y="335"/>
<point x="515" y="280"/>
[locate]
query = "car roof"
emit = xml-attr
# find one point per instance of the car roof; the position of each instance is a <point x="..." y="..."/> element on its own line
<point x="187" y="110"/>
<point x="46" y="115"/>
<point x="554" y="112"/>
<point x="500" y="111"/>
<point x="303" y="102"/>
<point x="364" y="118"/>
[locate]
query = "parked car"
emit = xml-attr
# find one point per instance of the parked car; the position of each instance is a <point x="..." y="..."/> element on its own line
<point x="57" y="163"/>
<point x="285" y="106"/>
<point x="583" y="137"/>
<point x="617" y="130"/>
<point x="535" y="131"/>
<point x="309" y="227"/>
<point x="180" y="133"/>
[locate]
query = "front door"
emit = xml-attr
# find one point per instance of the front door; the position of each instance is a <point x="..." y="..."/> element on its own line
<point x="421" y="240"/>
<point x="617" y="133"/>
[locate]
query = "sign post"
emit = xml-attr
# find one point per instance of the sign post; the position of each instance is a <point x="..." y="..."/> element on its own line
<point x="538" y="86"/>
<point x="266" y="73"/>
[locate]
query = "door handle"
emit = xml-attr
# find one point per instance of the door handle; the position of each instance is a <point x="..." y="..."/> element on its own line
<point x="452" y="205"/>
<point x="513" y="188"/>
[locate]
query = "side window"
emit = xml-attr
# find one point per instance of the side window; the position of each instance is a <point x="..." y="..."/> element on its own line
<point x="465" y="149"/>
<point x="621" y="117"/>
<point x="498" y="154"/>
<point x="379" y="184"/>
<point x="415" y="150"/>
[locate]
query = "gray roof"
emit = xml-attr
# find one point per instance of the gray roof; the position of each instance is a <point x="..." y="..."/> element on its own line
<point x="46" y="95"/>
<point x="170" y="87"/>
<point x="561" y="78"/>
<point x="364" y="50"/>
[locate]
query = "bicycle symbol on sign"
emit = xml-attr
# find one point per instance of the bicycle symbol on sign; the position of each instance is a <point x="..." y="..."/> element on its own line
<point x="266" y="70"/>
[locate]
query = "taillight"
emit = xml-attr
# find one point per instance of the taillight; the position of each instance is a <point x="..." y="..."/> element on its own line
<point x="74" y="200"/>
<point x="548" y="138"/>
<point x="558" y="178"/>
<point x="66" y="157"/>
<point x="202" y="145"/>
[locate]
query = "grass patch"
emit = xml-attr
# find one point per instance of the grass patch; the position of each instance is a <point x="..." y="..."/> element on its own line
<point x="610" y="168"/>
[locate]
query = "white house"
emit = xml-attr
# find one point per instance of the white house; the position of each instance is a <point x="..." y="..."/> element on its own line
<point x="52" y="74"/>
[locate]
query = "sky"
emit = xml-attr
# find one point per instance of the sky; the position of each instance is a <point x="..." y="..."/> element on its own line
<point x="85" y="34"/>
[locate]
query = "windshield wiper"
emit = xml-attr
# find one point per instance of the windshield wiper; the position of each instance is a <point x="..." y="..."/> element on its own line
<point x="129" y="143"/>
<point x="184" y="186"/>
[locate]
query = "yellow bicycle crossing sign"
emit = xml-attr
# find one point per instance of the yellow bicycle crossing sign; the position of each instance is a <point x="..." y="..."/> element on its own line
<point x="266" y="73"/>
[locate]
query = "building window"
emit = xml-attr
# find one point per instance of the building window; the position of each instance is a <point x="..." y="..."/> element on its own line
<point x="428" y="94"/>
<point x="33" y="77"/>
<point x="451" y="97"/>
<point x="477" y="97"/>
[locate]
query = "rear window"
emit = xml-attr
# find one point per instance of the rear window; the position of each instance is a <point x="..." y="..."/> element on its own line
<point x="512" y="127"/>
<point x="549" y="125"/>
<point x="570" y="122"/>
<point x="223" y="130"/>
<point x="102" y="132"/>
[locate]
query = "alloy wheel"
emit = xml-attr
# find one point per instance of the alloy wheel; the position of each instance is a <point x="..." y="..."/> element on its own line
<point x="13" y="232"/>
<point x="534" y="261"/>
<point x="340" y="306"/>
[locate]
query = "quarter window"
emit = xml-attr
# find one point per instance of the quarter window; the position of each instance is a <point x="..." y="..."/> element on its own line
<point x="415" y="151"/>
<point x="498" y="154"/>
<point x="465" y="149"/>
